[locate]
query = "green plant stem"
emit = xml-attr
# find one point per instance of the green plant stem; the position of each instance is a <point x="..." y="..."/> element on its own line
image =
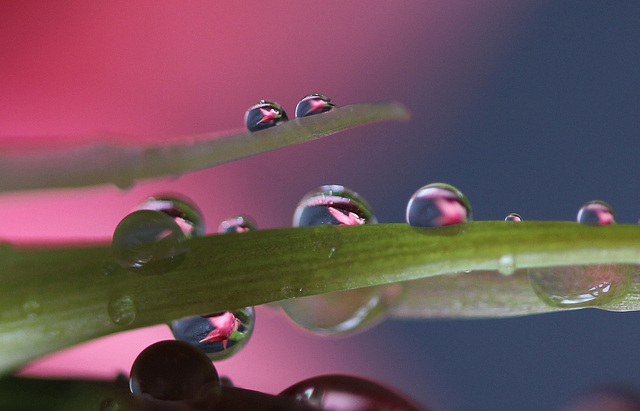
<point x="55" y="298"/>
<point x="99" y="161"/>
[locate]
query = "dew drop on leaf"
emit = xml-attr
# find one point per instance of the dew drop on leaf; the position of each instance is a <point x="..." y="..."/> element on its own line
<point x="188" y="217"/>
<point x="219" y="335"/>
<point x="515" y="217"/>
<point x="263" y="115"/>
<point x="596" y="212"/>
<point x="506" y="264"/>
<point x="174" y="371"/>
<point x="237" y="224"/>
<point x="312" y="104"/>
<point x="122" y="310"/>
<point x="329" y="207"/>
<point x="438" y="205"/>
<point x="149" y="242"/>
<point x="581" y="285"/>
<point x="346" y="393"/>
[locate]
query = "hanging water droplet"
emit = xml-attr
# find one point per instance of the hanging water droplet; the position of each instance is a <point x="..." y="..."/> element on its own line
<point x="332" y="204"/>
<point x="343" y="311"/>
<point x="219" y="335"/>
<point x="148" y="241"/>
<point x="313" y="104"/>
<point x="183" y="211"/>
<point x="174" y="371"/>
<point x="263" y="115"/>
<point x="122" y="310"/>
<point x="237" y="224"/>
<point x="581" y="285"/>
<point x="437" y="205"/>
<point x="513" y="217"/>
<point x="596" y="212"/>
<point x="346" y="393"/>
<point x="506" y="264"/>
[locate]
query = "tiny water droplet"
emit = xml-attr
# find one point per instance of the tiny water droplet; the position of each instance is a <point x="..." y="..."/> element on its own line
<point x="148" y="241"/>
<point x="596" y="212"/>
<point x="264" y="114"/>
<point x="513" y="217"/>
<point x="183" y="211"/>
<point x="335" y="205"/>
<point x="438" y="205"/>
<point x="581" y="285"/>
<point x="342" y="392"/>
<point x="237" y="224"/>
<point x="506" y="264"/>
<point x="290" y="291"/>
<point x="110" y="268"/>
<point x="32" y="309"/>
<point x="122" y="310"/>
<point x="219" y="335"/>
<point x="174" y="371"/>
<point x="109" y="404"/>
<point x="312" y="104"/>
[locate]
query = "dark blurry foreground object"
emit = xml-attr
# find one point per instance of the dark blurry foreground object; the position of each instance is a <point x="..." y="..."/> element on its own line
<point x="346" y="393"/>
<point x="607" y="398"/>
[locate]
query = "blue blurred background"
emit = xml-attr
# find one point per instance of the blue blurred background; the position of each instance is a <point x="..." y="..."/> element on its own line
<point x="527" y="107"/>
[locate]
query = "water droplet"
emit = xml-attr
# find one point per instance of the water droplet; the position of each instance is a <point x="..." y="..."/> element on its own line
<point x="32" y="309"/>
<point x="263" y="115"/>
<point x="332" y="204"/>
<point x="342" y="393"/>
<point x="313" y="104"/>
<point x="182" y="210"/>
<point x="596" y="212"/>
<point x="173" y="371"/>
<point x="110" y="268"/>
<point x="148" y="241"/>
<point x="219" y="335"/>
<point x="581" y="285"/>
<point x="437" y="205"/>
<point x="237" y="224"/>
<point x="109" y="404"/>
<point x="506" y="264"/>
<point x="344" y="311"/>
<point x="122" y="310"/>
<point x="513" y="217"/>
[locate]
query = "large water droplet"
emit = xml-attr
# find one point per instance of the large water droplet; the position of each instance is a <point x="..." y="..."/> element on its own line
<point x="332" y="204"/>
<point x="122" y="310"/>
<point x="581" y="285"/>
<point x="312" y="104"/>
<point x="148" y="241"/>
<point x="263" y="115"/>
<point x="174" y="371"/>
<point x="343" y="311"/>
<point x="437" y="205"/>
<point x="219" y="335"/>
<point x="237" y="224"/>
<point x="183" y="212"/>
<point x="346" y="393"/>
<point x="596" y="212"/>
<point x="515" y="217"/>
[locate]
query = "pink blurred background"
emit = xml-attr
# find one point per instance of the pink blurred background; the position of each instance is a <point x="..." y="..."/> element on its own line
<point x="164" y="68"/>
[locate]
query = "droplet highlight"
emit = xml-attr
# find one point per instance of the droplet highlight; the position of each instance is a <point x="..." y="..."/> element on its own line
<point x="515" y="217"/>
<point x="219" y="335"/>
<point x="183" y="211"/>
<point x="149" y="242"/>
<point x="312" y="104"/>
<point x="263" y="115"/>
<point x="596" y="212"/>
<point x="438" y="205"/>
<point x="581" y="285"/>
<point x="237" y="224"/>
<point x="174" y="371"/>
<point x="342" y="392"/>
<point x="122" y="310"/>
